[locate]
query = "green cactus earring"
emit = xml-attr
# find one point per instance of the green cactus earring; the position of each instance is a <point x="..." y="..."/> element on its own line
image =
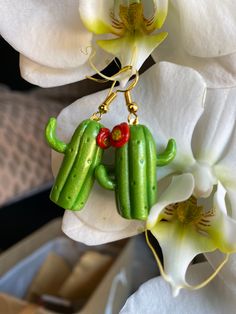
<point x="134" y="175"/>
<point x="81" y="156"/>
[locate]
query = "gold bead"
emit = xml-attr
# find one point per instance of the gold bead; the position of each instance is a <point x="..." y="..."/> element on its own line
<point x="103" y="108"/>
<point x="133" y="107"/>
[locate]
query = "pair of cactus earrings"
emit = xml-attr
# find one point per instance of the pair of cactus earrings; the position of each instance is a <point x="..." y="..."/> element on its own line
<point x="133" y="177"/>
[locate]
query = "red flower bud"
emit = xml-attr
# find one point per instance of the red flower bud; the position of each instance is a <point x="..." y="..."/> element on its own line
<point x="120" y="135"/>
<point x="103" y="138"/>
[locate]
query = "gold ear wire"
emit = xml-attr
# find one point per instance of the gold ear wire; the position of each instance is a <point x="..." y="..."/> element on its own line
<point x="109" y="78"/>
<point x="131" y="105"/>
<point x="132" y="85"/>
<point x="104" y="107"/>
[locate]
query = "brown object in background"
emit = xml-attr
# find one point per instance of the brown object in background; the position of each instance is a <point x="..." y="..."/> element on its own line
<point x="85" y="276"/>
<point x="50" y="277"/>
<point x="12" y="305"/>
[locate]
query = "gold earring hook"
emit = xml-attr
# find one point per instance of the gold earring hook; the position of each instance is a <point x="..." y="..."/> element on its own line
<point x="104" y="107"/>
<point x="131" y="105"/>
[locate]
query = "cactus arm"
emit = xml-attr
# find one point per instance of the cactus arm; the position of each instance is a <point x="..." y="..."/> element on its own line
<point x="50" y="135"/>
<point x="104" y="176"/>
<point x="168" y="155"/>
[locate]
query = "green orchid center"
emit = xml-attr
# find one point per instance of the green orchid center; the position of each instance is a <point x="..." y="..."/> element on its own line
<point x="189" y="212"/>
<point x="132" y="21"/>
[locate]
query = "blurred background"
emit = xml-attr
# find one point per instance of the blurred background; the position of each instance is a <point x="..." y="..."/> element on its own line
<point x="24" y="185"/>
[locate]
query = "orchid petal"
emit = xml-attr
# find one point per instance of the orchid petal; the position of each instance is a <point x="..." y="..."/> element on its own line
<point x="231" y="195"/>
<point x="161" y="7"/>
<point x="155" y="296"/>
<point x="179" y="244"/>
<point x="225" y="171"/>
<point x="214" y="129"/>
<point x="99" y="221"/>
<point x="132" y="51"/>
<point x="227" y="274"/>
<point x="49" y="77"/>
<point x="198" y="21"/>
<point x="226" y="167"/>
<point x="218" y="72"/>
<point x="95" y="15"/>
<point x="180" y="189"/>
<point x="223" y="228"/>
<point x="47" y="32"/>
<point x="177" y="90"/>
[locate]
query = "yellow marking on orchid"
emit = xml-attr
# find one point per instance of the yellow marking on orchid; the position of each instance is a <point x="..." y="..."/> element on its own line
<point x="133" y="22"/>
<point x="188" y="212"/>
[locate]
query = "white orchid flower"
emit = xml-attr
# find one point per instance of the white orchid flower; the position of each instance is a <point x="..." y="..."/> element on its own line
<point x="186" y="229"/>
<point x="52" y="39"/>
<point x="208" y="157"/>
<point x="203" y="165"/>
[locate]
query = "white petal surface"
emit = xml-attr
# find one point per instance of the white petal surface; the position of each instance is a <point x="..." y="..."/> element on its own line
<point x="155" y="296"/>
<point x="180" y="189"/>
<point x="227" y="274"/>
<point x="218" y="71"/>
<point x="98" y="222"/>
<point x="48" y="32"/>
<point x="215" y="127"/>
<point x="225" y="169"/>
<point x="173" y="101"/>
<point x="230" y="187"/>
<point x="208" y="27"/>
<point x="49" y="77"/>
<point x="222" y="227"/>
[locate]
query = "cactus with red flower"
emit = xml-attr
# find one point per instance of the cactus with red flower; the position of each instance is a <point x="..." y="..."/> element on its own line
<point x="133" y="177"/>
